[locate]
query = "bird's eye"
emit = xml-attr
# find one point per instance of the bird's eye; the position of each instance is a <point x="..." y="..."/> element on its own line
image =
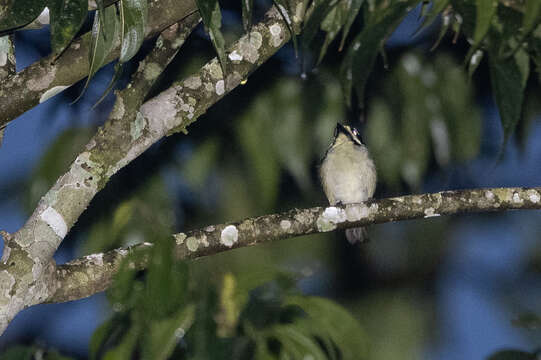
<point x="355" y="132"/>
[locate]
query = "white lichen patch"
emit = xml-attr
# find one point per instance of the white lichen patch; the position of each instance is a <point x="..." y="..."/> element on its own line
<point x="204" y="240"/>
<point x="229" y="236"/>
<point x="533" y="196"/>
<point x="220" y="87"/>
<point x="210" y="228"/>
<point x="51" y="92"/>
<point x="489" y="195"/>
<point x="161" y="111"/>
<point x="517" y="199"/>
<point x="276" y="34"/>
<point x="249" y="47"/>
<point x="95" y="259"/>
<point x="52" y="218"/>
<point x="285" y="224"/>
<point x="430" y="212"/>
<point x="235" y="56"/>
<point x="330" y="217"/>
<point x="137" y="126"/>
<point x="193" y="82"/>
<point x="42" y="80"/>
<point x="5" y="50"/>
<point x="417" y="200"/>
<point x="6" y="284"/>
<point x="118" y="109"/>
<point x="192" y="244"/>
<point x="209" y="87"/>
<point x="152" y="71"/>
<point x="179" y="238"/>
<point x="214" y="69"/>
<point x="299" y="13"/>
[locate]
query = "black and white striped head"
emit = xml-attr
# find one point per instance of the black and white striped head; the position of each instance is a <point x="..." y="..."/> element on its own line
<point x="346" y="133"/>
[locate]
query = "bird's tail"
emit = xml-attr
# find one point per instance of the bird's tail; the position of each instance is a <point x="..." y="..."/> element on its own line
<point x="357" y="235"/>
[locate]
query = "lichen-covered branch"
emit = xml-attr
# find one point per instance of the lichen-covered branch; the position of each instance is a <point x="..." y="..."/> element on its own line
<point x="94" y="273"/>
<point x="7" y="65"/>
<point x="127" y="133"/>
<point x="46" y="78"/>
<point x="26" y="268"/>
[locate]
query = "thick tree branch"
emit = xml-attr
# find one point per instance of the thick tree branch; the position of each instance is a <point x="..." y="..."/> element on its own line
<point x="27" y="269"/>
<point x="94" y="273"/>
<point x="7" y="65"/>
<point x="45" y="78"/>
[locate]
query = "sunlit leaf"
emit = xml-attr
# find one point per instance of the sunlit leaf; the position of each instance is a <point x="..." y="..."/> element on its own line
<point x="126" y="347"/>
<point x="67" y="17"/>
<point x="133" y="18"/>
<point x="508" y="78"/>
<point x="17" y="13"/>
<point x="212" y="18"/>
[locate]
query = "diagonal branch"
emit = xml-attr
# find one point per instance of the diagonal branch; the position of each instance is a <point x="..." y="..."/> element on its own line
<point x="94" y="273"/>
<point x="46" y="78"/>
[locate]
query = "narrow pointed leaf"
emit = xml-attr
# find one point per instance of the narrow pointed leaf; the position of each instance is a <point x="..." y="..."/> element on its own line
<point x="17" y="13"/>
<point x="531" y="15"/>
<point x="332" y="24"/>
<point x="364" y="49"/>
<point x="485" y="10"/>
<point x="133" y="20"/>
<point x="285" y="13"/>
<point x="102" y="42"/>
<point x="112" y="83"/>
<point x="353" y="10"/>
<point x="212" y="18"/>
<point x="247" y="13"/>
<point x="508" y="77"/>
<point x="312" y="25"/>
<point x="67" y="17"/>
<point x="436" y="9"/>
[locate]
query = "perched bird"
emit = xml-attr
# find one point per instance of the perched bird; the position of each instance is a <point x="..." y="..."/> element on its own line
<point x="347" y="173"/>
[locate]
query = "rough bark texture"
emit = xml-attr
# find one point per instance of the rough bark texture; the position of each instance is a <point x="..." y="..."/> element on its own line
<point x="45" y="78"/>
<point x="94" y="273"/>
<point x="27" y="272"/>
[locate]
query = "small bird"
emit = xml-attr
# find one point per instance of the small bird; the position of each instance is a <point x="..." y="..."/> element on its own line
<point x="348" y="174"/>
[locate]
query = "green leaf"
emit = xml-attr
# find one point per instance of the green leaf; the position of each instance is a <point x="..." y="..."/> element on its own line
<point x="212" y="18"/>
<point x="532" y="12"/>
<point x="353" y="10"/>
<point x="19" y="13"/>
<point x="104" y="34"/>
<point x="159" y="342"/>
<point x="247" y="10"/>
<point x="312" y="25"/>
<point x="332" y="24"/>
<point x="124" y="350"/>
<point x="100" y="335"/>
<point x="508" y="78"/>
<point x="67" y="17"/>
<point x="285" y="13"/>
<point x="528" y="320"/>
<point x="435" y="10"/>
<point x="364" y="49"/>
<point x="18" y="352"/>
<point x="512" y="355"/>
<point x="342" y="328"/>
<point x="133" y="18"/>
<point x="296" y="343"/>
<point x="485" y="10"/>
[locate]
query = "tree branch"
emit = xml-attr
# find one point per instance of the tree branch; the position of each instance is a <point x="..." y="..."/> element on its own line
<point x="94" y="273"/>
<point x="26" y="268"/>
<point x="45" y="78"/>
<point x="27" y="271"/>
